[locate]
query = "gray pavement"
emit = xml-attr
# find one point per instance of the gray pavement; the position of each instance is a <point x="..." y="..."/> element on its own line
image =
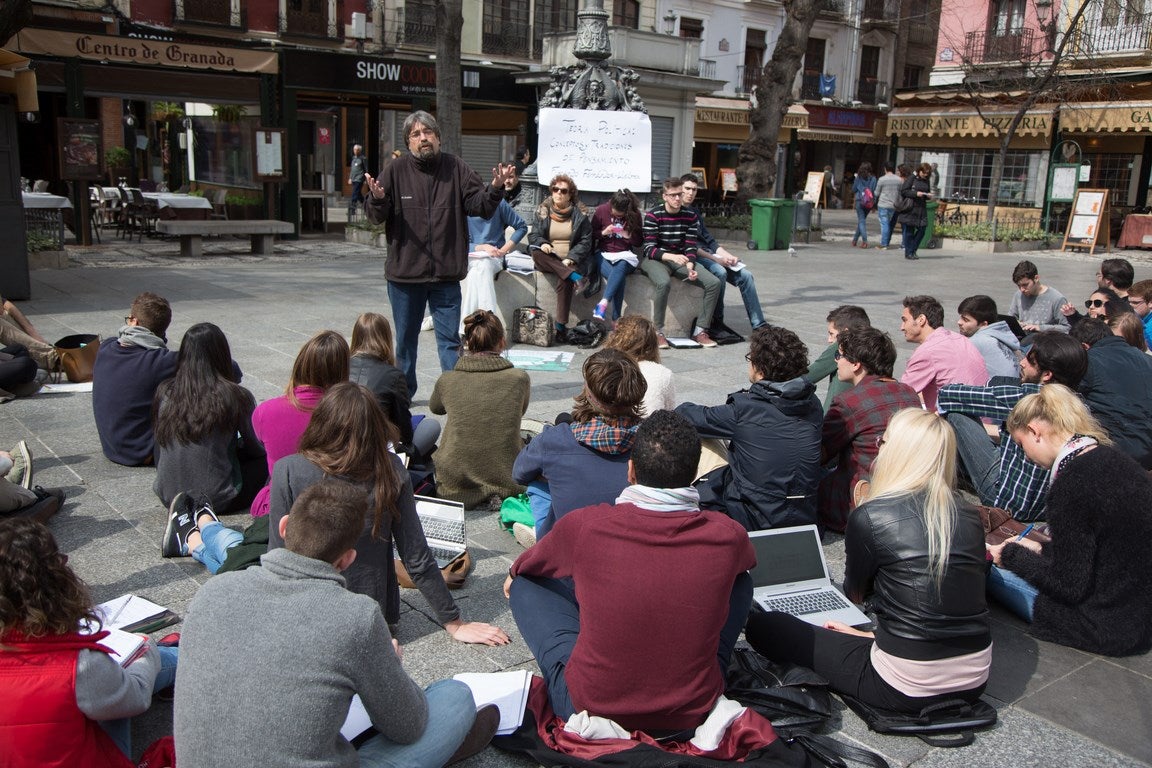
<point x="1058" y="706"/>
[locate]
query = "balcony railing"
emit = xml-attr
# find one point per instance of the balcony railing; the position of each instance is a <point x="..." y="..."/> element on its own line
<point x="307" y="17"/>
<point x="708" y="68"/>
<point x="990" y="46"/>
<point x="871" y="91"/>
<point x="834" y="7"/>
<point x="810" y="87"/>
<point x="882" y="11"/>
<point x="206" y="12"/>
<point x="747" y="78"/>
<point x="1095" y="39"/>
<point x="410" y="29"/>
<point x="509" y="40"/>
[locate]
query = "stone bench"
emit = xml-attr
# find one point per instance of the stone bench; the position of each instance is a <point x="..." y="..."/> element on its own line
<point x="539" y="288"/>
<point x="191" y="233"/>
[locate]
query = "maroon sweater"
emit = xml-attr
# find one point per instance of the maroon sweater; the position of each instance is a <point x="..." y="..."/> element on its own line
<point x="653" y="589"/>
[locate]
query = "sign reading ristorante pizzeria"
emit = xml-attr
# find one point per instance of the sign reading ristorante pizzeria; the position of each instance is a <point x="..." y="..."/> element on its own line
<point x="160" y="53"/>
<point x="970" y="124"/>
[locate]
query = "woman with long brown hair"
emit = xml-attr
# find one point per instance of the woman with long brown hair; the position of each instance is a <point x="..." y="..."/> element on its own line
<point x="618" y="232"/>
<point x="279" y="422"/>
<point x="561" y="243"/>
<point x="346" y="439"/>
<point x="636" y="337"/>
<point x="66" y="700"/>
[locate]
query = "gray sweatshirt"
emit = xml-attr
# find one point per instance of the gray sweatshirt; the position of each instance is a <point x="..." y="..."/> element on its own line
<point x="998" y="346"/>
<point x="107" y="691"/>
<point x="269" y="660"/>
<point x="1042" y="310"/>
<point x="888" y="190"/>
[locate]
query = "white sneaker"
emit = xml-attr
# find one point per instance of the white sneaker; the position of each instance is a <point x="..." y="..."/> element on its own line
<point x="427" y="324"/>
<point x="525" y="536"/>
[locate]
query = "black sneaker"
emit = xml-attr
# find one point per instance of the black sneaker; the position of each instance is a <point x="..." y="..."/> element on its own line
<point x="181" y="523"/>
<point x="202" y="506"/>
<point x="479" y="735"/>
<point x="48" y="503"/>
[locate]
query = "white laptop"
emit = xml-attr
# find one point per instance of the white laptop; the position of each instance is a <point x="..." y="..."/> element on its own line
<point x="443" y="524"/>
<point x="791" y="576"/>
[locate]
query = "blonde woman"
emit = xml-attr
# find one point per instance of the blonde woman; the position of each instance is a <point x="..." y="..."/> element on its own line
<point x="917" y="554"/>
<point x="636" y="337"/>
<point x="1089" y="587"/>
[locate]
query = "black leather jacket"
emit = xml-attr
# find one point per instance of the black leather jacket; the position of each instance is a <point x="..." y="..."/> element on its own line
<point x="886" y="545"/>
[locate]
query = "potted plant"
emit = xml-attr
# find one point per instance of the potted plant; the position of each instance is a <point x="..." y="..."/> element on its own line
<point x="118" y="162"/>
<point x="242" y="206"/>
<point x="167" y="111"/>
<point x="229" y="113"/>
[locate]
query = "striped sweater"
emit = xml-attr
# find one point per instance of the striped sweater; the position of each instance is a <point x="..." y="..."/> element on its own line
<point x="666" y="232"/>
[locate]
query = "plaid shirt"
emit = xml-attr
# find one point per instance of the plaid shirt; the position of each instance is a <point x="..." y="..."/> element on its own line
<point x="607" y="434"/>
<point x="855" y="419"/>
<point x="1023" y="486"/>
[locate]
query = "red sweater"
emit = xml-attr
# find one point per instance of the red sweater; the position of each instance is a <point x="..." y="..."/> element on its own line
<point x="653" y="589"/>
<point x="40" y="724"/>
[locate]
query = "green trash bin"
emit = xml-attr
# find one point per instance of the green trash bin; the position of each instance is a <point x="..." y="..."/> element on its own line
<point x="784" y="221"/>
<point x="930" y="228"/>
<point x="772" y="223"/>
<point x="764" y="217"/>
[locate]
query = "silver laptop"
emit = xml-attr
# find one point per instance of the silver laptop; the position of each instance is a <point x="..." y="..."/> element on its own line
<point x="791" y="576"/>
<point x="443" y="524"/>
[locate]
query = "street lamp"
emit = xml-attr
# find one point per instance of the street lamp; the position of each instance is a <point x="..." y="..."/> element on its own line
<point x="1043" y="8"/>
<point x="669" y="22"/>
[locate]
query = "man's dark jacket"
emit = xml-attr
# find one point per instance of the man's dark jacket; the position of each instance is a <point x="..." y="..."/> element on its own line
<point x="425" y="209"/>
<point x="773" y="454"/>
<point x="1118" y="390"/>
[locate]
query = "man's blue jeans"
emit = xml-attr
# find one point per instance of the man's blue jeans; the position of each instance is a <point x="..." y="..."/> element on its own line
<point x="744" y="282"/>
<point x="979" y="456"/>
<point x="887" y="216"/>
<point x="217" y="539"/>
<point x="548" y="616"/>
<point x="451" y="712"/>
<point x="408" y="301"/>
<point x="911" y="237"/>
<point x="1012" y="592"/>
<point x="614" y="273"/>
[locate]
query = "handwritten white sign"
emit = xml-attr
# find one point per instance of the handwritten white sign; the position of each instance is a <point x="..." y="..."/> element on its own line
<point x="601" y="151"/>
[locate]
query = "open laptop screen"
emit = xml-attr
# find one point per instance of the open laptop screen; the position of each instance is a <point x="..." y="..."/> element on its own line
<point x="787" y="557"/>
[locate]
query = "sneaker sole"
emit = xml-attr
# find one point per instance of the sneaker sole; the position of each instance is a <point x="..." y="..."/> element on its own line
<point x="26" y="456"/>
<point x="169" y="529"/>
<point x="525" y="536"/>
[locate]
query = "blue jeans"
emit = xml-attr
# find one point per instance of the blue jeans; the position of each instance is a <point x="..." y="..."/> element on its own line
<point x="979" y="456"/>
<point x="548" y="616"/>
<point x="1012" y="592"/>
<point x="744" y="282"/>
<point x="911" y="238"/>
<point x="887" y="215"/>
<point x="217" y="540"/>
<point x="861" y="232"/>
<point x="614" y="274"/>
<point x="540" y="502"/>
<point x="451" y="712"/>
<point x="120" y="729"/>
<point x="408" y="301"/>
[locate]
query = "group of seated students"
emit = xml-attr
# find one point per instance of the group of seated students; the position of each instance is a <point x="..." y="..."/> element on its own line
<point x="593" y="251"/>
<point x="632" y="529"/>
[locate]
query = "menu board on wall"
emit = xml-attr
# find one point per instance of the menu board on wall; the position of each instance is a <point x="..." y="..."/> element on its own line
<point x="1088" y="226"/>
<point x="1064" y="183"/>
<point x="80" y="149"/>
<point x="270" y="153"/>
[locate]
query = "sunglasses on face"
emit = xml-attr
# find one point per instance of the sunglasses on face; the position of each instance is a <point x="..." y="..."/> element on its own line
<point x="560" y="190"/>
<point x="1090" y="303"/>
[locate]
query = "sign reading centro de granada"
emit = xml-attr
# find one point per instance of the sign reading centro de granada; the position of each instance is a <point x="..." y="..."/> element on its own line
<point x="159" y="53"/>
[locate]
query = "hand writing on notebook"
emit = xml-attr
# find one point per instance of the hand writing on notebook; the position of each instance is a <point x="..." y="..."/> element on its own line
<point x="476" y="632"/>
<point x="839" y="626"/>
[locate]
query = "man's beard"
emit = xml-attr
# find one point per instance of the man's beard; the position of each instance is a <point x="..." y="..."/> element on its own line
<point x="426" y="152"/>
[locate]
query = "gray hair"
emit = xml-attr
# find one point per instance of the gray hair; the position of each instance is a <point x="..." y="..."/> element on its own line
<point x="357" y="146"/>
<point x="423" y="118"/>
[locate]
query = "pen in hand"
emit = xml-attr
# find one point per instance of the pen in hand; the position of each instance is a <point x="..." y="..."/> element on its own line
<point x="1025" y="532"/>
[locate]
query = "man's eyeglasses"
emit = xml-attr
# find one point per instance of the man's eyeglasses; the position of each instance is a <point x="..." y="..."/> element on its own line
<point x="560" y="190"/>
<point x="673" y="194"/>
<point x="880" y="441"/>
<point x="1090" y="303"/>
<point x="839" y="356"/>
<point x="419" y="134"/>
<point x="128" y="319"/>
<point x="748" y="357"/>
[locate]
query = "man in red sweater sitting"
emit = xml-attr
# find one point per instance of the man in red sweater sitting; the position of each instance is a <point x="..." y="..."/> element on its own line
<point x="632" y="609"/>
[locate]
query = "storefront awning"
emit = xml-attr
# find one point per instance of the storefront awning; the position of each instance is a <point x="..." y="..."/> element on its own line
<point x="17" y="78"/>
<point x="1106" y="117"/>
<point x="735" y="112"/>
<point x="847" y="137"/>
<point x="966" y="121"/>
<point x="130" y="50"/>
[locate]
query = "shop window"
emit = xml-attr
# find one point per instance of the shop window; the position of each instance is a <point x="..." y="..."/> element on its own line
<point x="224" y="149"/>
<point x="504" y="32"/>
<point x="552" y="16"/>
<point x="626" y="13"/>
<point x="966" y="176"/>
<point x="691" y="28"/>
<point x="1114" y="173"/>
<point x="419" y="24"/>
<point x="912" y="76"/>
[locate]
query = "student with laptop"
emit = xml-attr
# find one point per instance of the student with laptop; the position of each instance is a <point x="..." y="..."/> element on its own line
<point x="344" y="440"/>
<point x="917" y="553"/>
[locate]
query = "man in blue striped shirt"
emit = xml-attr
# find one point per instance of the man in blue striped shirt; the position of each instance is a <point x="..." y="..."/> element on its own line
<point x="1003" y="476"/>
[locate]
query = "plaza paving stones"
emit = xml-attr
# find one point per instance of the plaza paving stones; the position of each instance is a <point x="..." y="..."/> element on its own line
<point x="1057" y="706"/>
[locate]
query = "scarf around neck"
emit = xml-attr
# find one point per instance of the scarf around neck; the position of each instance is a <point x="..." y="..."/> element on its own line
<point x="139" y="336"/>
<point x="1073" y="448"/>
<point x="613" y="435"/>
<point x="661" y="499"/>
<point x="557" y="214"/>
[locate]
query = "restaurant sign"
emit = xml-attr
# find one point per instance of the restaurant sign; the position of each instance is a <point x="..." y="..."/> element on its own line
<point x="159" y="53"/>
